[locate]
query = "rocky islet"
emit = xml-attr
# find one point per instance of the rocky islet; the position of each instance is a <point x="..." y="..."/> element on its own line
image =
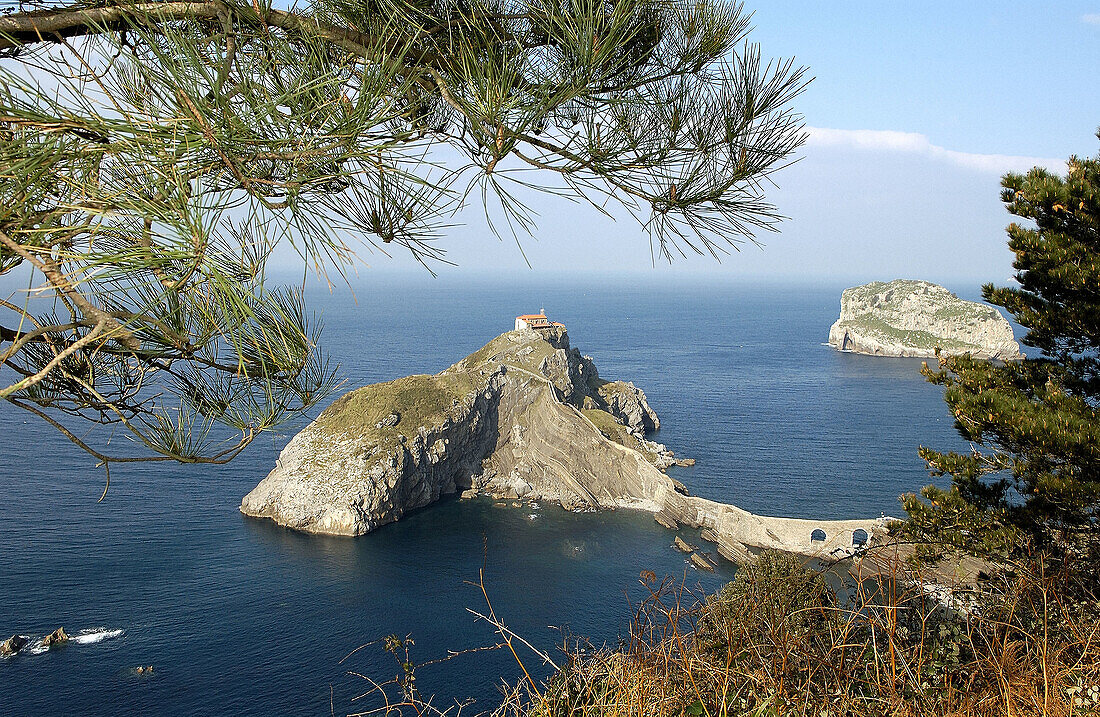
<point x="910" y="318"/>
<point x="526" y="416"/>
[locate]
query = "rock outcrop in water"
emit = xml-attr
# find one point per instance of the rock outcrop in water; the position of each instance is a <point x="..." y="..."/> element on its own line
<point x="914" y="318"/>
<point x="12" y="645"/>
<point x="526" y="416"/>
<point x="55" y="638"/>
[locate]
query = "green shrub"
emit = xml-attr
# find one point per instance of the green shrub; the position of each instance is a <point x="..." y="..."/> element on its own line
<point x="774" y="599"/>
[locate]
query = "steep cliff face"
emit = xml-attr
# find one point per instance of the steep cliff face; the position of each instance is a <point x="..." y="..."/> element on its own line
<point x="914" y="318"/>
<point x="626" y="402"/>
<point x="553" y="451"/>
<point x="506" y="419"/>
<point x="381" y="451"/>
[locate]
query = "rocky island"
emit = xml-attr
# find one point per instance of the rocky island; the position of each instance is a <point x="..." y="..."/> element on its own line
<point x="525" y="417"/>
<point x="914" y="318"/>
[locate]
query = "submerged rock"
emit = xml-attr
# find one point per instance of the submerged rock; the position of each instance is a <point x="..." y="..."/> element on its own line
<point x="703" y="562"/>
<point x="914" y="318"/>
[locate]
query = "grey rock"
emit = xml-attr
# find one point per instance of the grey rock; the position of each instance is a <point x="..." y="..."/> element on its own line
<point x="666" y="520"/>
<point x="555" y="367"/>
<point x="512" y="433"/>
<point x="628" y="403"/>
<point x="389" y="421"/>
<point x="703" y="562"/>
<point x="732" y="550"/>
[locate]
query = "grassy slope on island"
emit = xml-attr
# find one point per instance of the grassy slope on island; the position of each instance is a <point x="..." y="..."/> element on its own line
<point x="420" y="400"/>
<point x="614" y="430"/>
<point x="424" y="400"/>
<point x="874" y="327"/>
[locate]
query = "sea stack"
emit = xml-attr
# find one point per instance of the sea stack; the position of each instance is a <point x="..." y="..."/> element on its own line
<point x="913" y="318"/>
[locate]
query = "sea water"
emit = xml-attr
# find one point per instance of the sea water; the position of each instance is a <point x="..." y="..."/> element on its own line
<point x="239" y="616"/>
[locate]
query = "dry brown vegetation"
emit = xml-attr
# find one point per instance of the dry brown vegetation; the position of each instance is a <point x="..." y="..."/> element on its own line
<point x="781" y="639"/>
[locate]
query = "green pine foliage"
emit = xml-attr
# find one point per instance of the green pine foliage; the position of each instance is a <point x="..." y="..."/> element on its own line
<point x="1032" y="479"/>
<point x="153" y="155"/>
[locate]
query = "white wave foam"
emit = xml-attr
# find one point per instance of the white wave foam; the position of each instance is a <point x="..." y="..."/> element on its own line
<point x="90" y="636"/>
<point x="94" y="635"/>
<point x="34" y="647"/>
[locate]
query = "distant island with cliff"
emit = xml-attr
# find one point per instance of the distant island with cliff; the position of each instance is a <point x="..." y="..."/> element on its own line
<point x="910" y="318"/>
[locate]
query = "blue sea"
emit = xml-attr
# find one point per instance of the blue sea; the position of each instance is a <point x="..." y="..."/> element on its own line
<point x="241" y="617"/>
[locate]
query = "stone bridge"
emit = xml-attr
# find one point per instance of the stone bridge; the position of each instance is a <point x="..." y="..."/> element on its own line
<point x="735" y="530"/>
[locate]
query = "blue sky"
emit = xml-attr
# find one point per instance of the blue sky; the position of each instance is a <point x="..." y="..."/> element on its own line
<point x="984" y="77"/>
<point x="916" y="110"/>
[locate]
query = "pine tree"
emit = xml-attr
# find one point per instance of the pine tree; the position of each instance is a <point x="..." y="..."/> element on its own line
<point x="152" y="155"/>
<point x="1032" y="479"/>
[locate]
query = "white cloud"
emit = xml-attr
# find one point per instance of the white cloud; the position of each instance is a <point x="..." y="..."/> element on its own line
<point x="1093" y="18"/>
<point x="915" y="143"/>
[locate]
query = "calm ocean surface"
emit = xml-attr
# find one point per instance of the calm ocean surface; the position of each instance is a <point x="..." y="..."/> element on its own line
<point x="242" y="617"/>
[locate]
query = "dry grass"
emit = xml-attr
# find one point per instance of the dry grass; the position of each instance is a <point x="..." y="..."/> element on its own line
<point x="420" y="401"/>
<point x="780" y="640"/>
